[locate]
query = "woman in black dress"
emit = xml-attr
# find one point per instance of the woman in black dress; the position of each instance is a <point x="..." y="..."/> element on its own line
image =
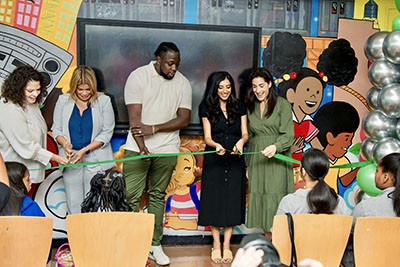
<point x="222" y="200"/>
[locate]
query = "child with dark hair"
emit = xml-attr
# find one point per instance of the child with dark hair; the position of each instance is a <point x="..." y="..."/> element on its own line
<point x="107" y="193"/>
<point x="387" y="204"/>
<point x="317" y="197"/>
<point x="20" y="184"/>
<point x="337" y="123"/>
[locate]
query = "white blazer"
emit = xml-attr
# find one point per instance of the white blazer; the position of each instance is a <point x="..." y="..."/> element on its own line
<point x="103" y="125"/>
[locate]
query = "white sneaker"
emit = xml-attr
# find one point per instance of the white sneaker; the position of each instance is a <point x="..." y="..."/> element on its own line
<point x="156" y="253"/>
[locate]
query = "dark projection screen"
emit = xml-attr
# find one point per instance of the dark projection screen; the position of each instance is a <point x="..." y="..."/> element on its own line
<point x="115" y="48"/>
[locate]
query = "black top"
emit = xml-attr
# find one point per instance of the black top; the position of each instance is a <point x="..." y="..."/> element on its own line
<point x="4" y="195"/>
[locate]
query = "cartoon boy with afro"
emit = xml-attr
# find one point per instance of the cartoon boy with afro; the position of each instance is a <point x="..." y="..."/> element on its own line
<point x="337" y="122"/>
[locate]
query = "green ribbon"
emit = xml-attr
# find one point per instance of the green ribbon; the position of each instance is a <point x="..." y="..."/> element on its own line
<point x="277" y="156"/>
<point x="124" y="159"/>
<point x="353" y="165"/>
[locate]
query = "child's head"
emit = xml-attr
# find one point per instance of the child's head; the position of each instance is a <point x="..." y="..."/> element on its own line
<point x="322" y="198"/>
<point x="107" y="193"/>
<point x="315" y="163"/>
<point x="386" y="171"/>
<point x="20" y="185"/>
<point x="18" y="174"/>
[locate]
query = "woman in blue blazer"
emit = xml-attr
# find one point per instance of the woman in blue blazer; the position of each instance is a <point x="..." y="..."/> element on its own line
<point x="83" y="125"/>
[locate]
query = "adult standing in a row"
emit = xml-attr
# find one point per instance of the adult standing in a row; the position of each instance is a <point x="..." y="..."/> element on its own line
<point x="271" y="131"/>
<point x="223" y="188"/>
<point x="159" y="100"/>
<point x="83" y="125"/>
<point x="23" y="130"/>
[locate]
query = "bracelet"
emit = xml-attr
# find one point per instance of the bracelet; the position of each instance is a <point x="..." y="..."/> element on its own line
<point x="153" y="128"/>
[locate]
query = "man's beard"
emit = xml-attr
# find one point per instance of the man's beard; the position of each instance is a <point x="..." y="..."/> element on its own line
<point x="165" y="76"/>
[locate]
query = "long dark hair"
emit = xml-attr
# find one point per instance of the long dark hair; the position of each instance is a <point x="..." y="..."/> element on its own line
<point x="322" y="198"/>
<point x="272" y="95"/>
<point x="390" y="163"/>
<point x="16" y="172"/>
<point x="107" y="193"/>
<point x="211" y="99"/>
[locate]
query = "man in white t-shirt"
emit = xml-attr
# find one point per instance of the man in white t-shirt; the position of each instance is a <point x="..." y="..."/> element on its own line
<point x="159" y="101"/>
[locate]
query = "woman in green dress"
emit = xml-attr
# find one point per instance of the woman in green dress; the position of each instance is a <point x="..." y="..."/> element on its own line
<point x="271" y="131"/>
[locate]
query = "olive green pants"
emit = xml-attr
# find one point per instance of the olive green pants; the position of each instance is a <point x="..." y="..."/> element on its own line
<point x="159" y="171"/>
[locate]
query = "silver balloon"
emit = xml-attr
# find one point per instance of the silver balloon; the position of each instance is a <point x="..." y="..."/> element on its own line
<point x="377" y="125"/>
<point x="386" y="147"/>
<point x="389" y="100"/>
<point x="373" y="46"/>
<point x="367" y="146"/>
<point x="382" y="73"/>
<point x="372" y="97"/>
<point x="391" y="47"/>
<point x="398" y="129"/>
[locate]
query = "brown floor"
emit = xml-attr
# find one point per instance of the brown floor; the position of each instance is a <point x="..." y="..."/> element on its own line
<point x="191" y="256"/>
<point x="187" y="256"/>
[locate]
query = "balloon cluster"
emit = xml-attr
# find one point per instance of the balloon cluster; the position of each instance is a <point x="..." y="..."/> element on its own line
<point x="382" y="124"/>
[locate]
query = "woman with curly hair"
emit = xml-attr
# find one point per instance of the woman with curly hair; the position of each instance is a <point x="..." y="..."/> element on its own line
<point x="23" y="130"/>
<point x="107" y="193"/>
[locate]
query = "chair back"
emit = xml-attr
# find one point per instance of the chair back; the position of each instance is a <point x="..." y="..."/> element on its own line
<point x="322" y="237"/>
<point x="376" y="241"/>
<point x="25" y="240"/>
<point x="110" y="239"/>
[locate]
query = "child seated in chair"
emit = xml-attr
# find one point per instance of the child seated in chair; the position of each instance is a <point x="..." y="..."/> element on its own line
<point x="107" y="193"/>
<point x="19" y="203"/>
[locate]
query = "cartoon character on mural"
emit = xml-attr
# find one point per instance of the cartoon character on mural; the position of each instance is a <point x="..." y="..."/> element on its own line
<point x="336" y="136"/>
<point x="302" y="87"/>
<point x="183" y="193"/>
<point x="308" y="90"/>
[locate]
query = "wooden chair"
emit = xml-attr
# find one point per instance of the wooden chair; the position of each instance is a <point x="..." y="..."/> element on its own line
<point x="25" y="241"/>
<point x="376" y="241"/>
<point x="110" y="239"/>
<point x="321" y="237"/>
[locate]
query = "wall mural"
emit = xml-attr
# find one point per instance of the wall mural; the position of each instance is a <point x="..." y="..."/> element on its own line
<point x="30" y="34"/>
